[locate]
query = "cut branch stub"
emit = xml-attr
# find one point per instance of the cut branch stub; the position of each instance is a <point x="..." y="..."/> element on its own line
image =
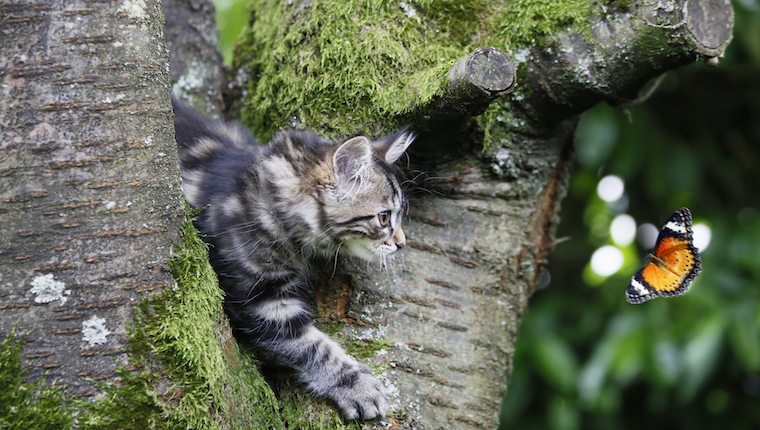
<point x="480" y="77"/>
<point x="475" y="81"/>
<point x="710" y="23"/>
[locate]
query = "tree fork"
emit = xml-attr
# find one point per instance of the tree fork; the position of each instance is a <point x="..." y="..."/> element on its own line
<point x="194" y="53"/>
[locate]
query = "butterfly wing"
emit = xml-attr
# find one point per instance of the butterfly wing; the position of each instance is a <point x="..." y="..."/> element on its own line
<point x="672" y="267"/>
<point x="648" y="283"/>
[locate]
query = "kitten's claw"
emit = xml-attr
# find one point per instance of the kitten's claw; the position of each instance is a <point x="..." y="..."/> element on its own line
<point x="360" y="395"/>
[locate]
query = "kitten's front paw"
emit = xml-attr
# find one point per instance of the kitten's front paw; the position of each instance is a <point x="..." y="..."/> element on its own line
<point x="360" y="395"/>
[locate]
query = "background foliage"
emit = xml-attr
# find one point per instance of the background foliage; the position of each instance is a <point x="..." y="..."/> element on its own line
<point x="586" y="358"/>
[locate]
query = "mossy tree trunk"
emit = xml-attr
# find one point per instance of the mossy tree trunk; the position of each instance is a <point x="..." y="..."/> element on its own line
<point x="89" y="186"/>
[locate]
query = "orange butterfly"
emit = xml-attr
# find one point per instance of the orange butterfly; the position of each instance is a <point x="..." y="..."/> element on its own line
<point x="673" y="265"/>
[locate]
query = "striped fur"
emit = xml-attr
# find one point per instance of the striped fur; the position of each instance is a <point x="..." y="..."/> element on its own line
<point x="268" y="211"/>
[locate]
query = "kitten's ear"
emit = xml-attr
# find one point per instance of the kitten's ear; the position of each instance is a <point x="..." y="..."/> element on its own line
<point x="351" y="160"/>
<point x="390" y="148"/>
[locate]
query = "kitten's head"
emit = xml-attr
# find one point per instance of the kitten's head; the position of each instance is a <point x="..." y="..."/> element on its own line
<point x="368" y="202"/>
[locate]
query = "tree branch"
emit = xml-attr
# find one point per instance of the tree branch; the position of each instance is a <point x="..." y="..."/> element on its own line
<point x="624" y="50"/>
<point x="476" y="80"/>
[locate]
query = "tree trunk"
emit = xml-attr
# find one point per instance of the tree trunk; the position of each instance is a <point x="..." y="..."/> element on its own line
<point x="83" y="159"/>
<point x="89" y="196"/>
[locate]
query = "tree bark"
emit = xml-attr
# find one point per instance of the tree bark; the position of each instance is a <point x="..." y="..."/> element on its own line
<point x="194" y="54"/>
<point x="89" y="195"/>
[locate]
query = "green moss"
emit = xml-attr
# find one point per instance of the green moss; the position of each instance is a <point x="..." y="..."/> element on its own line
<point x="28" y="406"/>
<point x="187" y="331"/>
<point x="398" y="416"/>
<point x="520" y="23"/>
<point x="341" y="67"/>
<point x="130" y="405"/>
<point x="361" y="349"/>
<point x="364" y="349"/>
<point x="301" y="411"/>
<point x="621" y="5"/>
<point x="659" y="44"/>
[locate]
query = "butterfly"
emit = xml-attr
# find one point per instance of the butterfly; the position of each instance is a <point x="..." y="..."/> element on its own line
<point x="673" y="264"/>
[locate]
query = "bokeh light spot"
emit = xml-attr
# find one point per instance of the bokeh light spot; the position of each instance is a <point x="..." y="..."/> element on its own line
<point x="606" y="261"/>
<point x="647" y="235"/>
<point x="623" y="230"/>
<point x="702" y="236"/>
<point x="610" y="188"/>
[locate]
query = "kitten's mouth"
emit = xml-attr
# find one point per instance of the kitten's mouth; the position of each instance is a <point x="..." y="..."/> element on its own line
<point x="368" y="249"/>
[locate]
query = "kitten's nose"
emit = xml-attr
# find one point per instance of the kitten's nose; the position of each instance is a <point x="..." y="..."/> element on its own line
<point x="399" y="238"/>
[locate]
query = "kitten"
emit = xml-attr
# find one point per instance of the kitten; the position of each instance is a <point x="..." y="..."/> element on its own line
<point x="267" y="211"/>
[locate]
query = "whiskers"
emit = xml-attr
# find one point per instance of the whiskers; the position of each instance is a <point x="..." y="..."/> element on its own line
<point x="421" y="183"/>
<point x="335" y="260"/>
<point x="389" y="263"/>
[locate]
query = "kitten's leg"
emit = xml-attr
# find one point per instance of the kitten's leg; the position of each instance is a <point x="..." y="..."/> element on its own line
<point x="331" y="373"/>
<point x="282" y="327"/>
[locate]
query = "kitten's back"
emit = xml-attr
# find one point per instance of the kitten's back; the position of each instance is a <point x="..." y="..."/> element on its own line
<point x="211" y="154"/>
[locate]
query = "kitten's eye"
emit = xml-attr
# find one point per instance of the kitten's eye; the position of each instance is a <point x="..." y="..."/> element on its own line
<point x="385" y="218"/>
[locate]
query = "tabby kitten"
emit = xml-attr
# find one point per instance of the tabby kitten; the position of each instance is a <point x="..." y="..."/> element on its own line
<point x="267" y="211"/>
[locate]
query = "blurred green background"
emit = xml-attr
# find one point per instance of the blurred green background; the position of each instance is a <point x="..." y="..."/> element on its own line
<point x="586" y="359"/>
